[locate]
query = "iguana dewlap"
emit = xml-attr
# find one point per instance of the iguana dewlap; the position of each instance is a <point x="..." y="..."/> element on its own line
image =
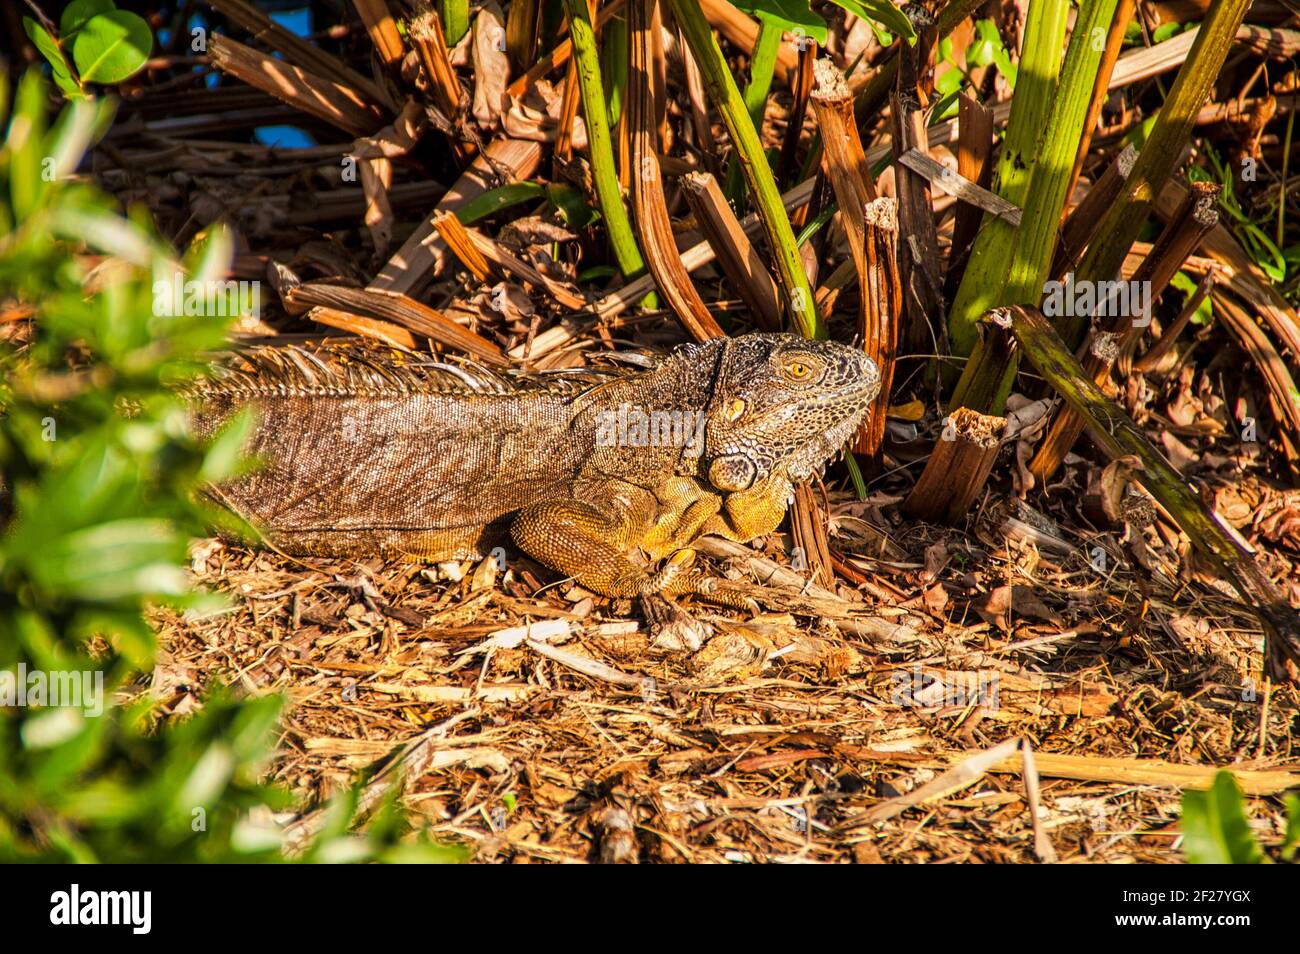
<point x="580" y="470"/>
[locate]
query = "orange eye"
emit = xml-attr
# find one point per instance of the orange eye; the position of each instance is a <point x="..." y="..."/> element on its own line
<point x="797" y="370"/>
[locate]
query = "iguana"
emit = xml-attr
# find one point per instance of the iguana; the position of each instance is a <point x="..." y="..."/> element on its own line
<point x="582" y="470"/>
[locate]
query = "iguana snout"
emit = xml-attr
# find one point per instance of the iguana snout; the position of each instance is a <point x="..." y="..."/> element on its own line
<point x="783" y="406"/>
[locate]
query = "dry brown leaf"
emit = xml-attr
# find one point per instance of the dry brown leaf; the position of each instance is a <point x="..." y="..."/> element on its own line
<point x="491" y="66"/>
<point x="535" y="116"/>
<point x="505" y="300"/>
<point x="735" y="653"/>
<point x="533" y="231"/>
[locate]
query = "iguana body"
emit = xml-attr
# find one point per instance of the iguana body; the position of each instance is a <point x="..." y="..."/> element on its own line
<point x="443" y="462"/>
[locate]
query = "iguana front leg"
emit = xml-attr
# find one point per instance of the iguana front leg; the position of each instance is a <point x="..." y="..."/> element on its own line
<point x="590" y="545"/>
<point x="751" y="513"/>
<point x="584" y="542"/>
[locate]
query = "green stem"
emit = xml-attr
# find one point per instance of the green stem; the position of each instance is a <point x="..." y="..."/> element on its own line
<point x="749" y="149"/>
<point x="762" y="66"/>
<point x="985" y="277"/>
<point x="1159" y="156"/>
<point x="1117" y="435"/>
<point x="1035" y="239"/>
<point x="1040" y="222"/>
<point x="605" y="173"/>
<point x="614" y="64"/>
<point x="455" y="20"/>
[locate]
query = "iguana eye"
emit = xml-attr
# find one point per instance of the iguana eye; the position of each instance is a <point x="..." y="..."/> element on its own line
<point x="797" y="370"/>
<point x="735" y="409"/>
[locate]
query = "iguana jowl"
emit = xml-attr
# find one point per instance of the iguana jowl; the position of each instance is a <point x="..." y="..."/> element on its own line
<point x="581" y="470"/>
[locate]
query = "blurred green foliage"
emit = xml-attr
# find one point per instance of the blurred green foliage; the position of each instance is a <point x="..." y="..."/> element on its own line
<point x="1216" y="831"/>
<point x="98" y="474"/>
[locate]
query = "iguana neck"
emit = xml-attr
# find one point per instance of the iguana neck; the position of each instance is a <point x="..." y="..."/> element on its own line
<point x="650" y="424"/>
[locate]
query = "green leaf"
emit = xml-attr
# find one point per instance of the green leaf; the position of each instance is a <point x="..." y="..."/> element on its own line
<point x="53" y="53"/>
<point x="100" y="517"/>
<point x="49" y="728"/>
<point x="946" y="108"/>
<point x="225" y="453"/>
<point x="794" y="15"/>
<point x="1292" y="842"/>
<point x="111" y="47"/>
<point x="117" y="560"/>
<point x="495" y="200"/>
<point x="1166" y="31"/>
<point x="987" y="42"/>
<point x="1263" y="251"/>
<point x="949" y="82"/>
<point x="571" y="205"/>
<point x="1215" y="830"/>
<point x="73" y="134"/>
<point x="107" y="233"/>
<point x="881" y="11"/>
<point x="206" y="781"/>
<point x="73" y="756"/>
<point x="78" y="13"/>
<point x="811" y="229"/>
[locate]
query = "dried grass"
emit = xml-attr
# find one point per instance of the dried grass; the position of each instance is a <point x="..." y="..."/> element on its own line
<point x="781" y="743"/>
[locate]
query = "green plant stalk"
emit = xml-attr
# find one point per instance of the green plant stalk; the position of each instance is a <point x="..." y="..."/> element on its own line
<point x="1163" y="148"/>
<point x="1117" y="436"/>
<point x="609" y="194"/>
<point x="455" y="20"/>
<point x="762" y="185"/>
<point x="1040" y="221"/>
<point x="614" y="64"/>
<point x="987" y="381"/>
<point x="985" y="277"/>
<point x="762" y="66"/>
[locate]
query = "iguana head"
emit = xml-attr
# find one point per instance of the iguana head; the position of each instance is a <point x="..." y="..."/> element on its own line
<point x="781" y="406"/>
